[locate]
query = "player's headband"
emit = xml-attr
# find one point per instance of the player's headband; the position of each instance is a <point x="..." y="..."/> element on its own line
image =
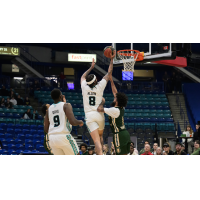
<point x="92" y="81"/>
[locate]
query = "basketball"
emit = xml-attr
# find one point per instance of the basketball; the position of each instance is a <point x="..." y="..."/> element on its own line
<point x="107" y="51"/>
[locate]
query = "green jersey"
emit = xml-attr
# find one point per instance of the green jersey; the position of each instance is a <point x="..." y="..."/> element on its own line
<point x="86" y="153"/>
<point x="196" y="152"/>
<point x="117" y="124"/>
<point x="121" y="137"/>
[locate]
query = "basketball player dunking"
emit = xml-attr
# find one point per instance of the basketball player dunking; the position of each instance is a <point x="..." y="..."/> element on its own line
<point x="92" y="92"/>
<point x="58" y="120"/>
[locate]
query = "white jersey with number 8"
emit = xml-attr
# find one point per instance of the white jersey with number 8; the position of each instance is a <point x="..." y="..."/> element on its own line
<point x="92" y="97"/>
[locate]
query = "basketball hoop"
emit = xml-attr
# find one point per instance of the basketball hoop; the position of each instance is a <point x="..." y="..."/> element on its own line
<point x="129" y="57"/>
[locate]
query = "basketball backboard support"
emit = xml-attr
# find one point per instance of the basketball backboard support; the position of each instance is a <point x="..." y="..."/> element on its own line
<point x="152" y="51"/>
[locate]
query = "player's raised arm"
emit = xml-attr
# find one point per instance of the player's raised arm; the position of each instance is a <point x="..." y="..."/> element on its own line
<point x="63" y="98"/>
<point x="110" y="69"/>
<point x="114" y="89"/>
<point x="70" y="116"/>
<point x="46" y="122"/>
<point x="83" y="77"/>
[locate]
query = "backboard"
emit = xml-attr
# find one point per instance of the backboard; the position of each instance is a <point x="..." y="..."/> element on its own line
<point x="152" y="51"/>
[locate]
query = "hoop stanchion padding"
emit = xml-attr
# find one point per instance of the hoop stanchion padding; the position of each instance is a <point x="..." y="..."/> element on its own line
<point x="178" y="62"/>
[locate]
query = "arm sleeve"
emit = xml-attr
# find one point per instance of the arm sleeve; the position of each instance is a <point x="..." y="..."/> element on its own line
<point x="113" y="112"/>
<point x="102" y="84"/>
<point x="83" y="84"/>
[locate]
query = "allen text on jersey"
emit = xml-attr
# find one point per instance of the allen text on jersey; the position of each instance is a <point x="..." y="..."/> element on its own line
<point x="91" y="93"/>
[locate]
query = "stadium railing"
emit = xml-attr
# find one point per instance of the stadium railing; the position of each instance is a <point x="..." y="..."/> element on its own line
<point x="182" y="113"/>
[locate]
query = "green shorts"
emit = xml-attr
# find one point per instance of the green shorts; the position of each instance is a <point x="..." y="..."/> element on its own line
<point x="122" y="142"/>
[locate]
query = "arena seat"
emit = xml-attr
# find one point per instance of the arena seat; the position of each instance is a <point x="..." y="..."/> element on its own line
<point x="27" y="151"/>
<point x="25" y="131"/>
<point x="1" y="151"/>
<point x="19" y="151"/>
<point x="41" y="148"/>
<point x="40" y="127"/>
<point x="40" y="132"/>
<point x="29" y="141"/>
<point x="26" y="126"/>
<point x="40" y="117"/>
<point x="140" y="145"/>
<point x="10" y="120"/>
<point x="20" y="111"/>
<point x="12" y="152"/>
<point x="150" y="140"/>
<point x="168" y="119"/>
<point x="33" y="127"/>
<point x="31" y="121"/>
<point x="29" y="136"/>
<point x="29" y="147"/>
<point x="35" y="151"/>
<point x="7" y="136"/>
<point x="3" y="120"/>
<point x="37" y="142"/>
<point x="2" y="114"/>
<point x="141" y="134"/>
<point x="11" y="146"/>
<point x="16" y="115"/>
<point x="140" y="140"/>
<point x="149" y="134"/>
<point x="23" y="121"/>
<point x="130" y="130"/>
<point x="18" y="126"/>
<point x="20" y="140"/>
<point x="39" y="122"/>
<point x="6" y="110"/>
<point x="5" y="146"/>
<point x="10" y="141"/>
<point x="2" y="131"/>
<point x="36" y="136"/>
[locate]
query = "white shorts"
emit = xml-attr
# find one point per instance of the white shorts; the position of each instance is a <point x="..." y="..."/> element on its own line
<point x="63" y="144"/>
<point x="95" y="120"/>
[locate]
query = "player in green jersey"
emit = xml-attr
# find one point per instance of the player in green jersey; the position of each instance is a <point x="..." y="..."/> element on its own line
<point x="121" y="137"/>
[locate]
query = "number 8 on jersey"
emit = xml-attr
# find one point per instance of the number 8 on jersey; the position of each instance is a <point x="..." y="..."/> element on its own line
<point x="92" y="101"/>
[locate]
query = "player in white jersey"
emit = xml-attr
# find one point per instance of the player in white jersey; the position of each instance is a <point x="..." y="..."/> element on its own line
<point x="92" y="92"/>
<point x="58" y="124"/>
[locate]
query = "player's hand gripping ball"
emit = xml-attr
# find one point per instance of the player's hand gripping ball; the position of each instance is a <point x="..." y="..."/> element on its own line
<point x="108" y="51"/>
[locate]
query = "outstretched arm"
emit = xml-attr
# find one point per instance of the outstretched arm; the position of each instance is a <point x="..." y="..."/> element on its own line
<point x="70" y="116"/>
<point x="110" y="69"/>
<point x="114" y="89"/>
<point x="83" y="77"/>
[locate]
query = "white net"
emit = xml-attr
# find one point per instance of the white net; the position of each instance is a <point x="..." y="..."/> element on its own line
<point x="129" y="58"/>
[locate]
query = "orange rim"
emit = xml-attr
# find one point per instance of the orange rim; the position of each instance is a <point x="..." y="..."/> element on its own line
<point x="133" y="53"/>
